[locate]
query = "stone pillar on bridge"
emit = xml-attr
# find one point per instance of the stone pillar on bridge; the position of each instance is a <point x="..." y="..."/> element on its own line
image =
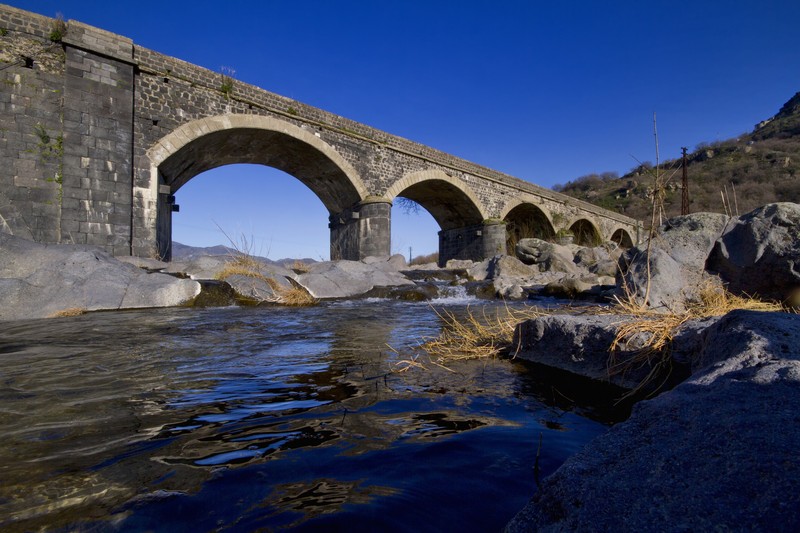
<point x="476" y="242"/>
<point x="364" y="230"/>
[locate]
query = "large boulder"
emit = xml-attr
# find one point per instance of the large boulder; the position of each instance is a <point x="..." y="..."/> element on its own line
<point x="38" y="281"/>
<point x="759" y="254"/>
<point x="345" y="279"/>
<point x="546" y="256"/>
<point x="676" y="260"/>
<point x="716" y="453"/>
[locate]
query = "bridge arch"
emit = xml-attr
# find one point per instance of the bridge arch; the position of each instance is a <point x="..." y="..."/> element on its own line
<point x="525" y="220"/>
<point x="212" y="142"/>
<point x="622" y="238"/>
<point x="586" y="232"/>
<point x="455" y="208"/>
<point x="449" y="201"/>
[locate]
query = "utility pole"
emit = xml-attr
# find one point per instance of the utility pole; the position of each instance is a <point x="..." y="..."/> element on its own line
<point x="684" y="187"/>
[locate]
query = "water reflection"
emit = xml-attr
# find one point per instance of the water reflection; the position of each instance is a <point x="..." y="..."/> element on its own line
<point x="266" y="418"/>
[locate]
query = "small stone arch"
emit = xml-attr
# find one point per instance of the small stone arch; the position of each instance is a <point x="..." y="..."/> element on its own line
<point x="449" y="200"/>
<point x="585" y="232"/>
<point x="526" y="220"/>
<point x="622" y="238"/>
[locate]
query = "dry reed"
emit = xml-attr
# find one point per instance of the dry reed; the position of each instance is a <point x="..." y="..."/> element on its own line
<point x="651" y="333"/>
<point x="71" y="311"/>
<point x="294" y="295"/>
<point x="476" y="336"/>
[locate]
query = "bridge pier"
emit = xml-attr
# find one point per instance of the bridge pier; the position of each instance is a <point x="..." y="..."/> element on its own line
<point x="476" y="242"/>
<point x="362" y="231"/>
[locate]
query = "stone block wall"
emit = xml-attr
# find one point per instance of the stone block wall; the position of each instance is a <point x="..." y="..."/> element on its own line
<point x="69" y="152"/>
<point x="31" y="137"/>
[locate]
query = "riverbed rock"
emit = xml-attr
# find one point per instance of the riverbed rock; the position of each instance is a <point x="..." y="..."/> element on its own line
<point x="346" y="279"/>
<point x="677" y="262"/>
<point x="546" y="255"/>
<point x="759" y="254"/>
<point x="479" y="271"/>
<point x="568" y="287"/>
<point x="38" y="281"/>
<point x="575" y="343"/>
<point x="716" y="453"/>
<point x="199" y="267"/>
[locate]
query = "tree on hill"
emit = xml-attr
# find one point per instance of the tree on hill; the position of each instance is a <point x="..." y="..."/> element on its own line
<point x="746" y="172"/>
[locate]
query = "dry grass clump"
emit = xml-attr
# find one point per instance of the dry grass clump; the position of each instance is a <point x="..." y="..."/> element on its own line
<point x="299" y="267"/>
<point x="71" y="311"/>
<point x="248" y="267"/>
<point x="476" y="336"/>
<point x="652" y="333"/>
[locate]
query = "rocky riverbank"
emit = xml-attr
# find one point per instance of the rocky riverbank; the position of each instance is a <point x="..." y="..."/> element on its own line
<point x="717" y="452"/>
<point x="716" y="448"/>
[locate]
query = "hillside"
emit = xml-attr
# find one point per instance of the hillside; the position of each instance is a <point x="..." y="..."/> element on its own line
<point x="756" y="168"/>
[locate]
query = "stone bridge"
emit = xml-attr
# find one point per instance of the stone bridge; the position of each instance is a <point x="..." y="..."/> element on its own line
<point x="98" y="136"/>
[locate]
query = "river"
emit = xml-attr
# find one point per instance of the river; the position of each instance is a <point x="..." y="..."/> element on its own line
<point x="270" y="418"/>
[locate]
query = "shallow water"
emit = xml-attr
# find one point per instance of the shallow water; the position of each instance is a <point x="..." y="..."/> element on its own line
<point x="269" y="418"/>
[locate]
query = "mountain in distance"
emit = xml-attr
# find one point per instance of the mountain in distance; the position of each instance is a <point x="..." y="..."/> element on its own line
<point x="754" y="169"/>
<point x="184" y="252"/>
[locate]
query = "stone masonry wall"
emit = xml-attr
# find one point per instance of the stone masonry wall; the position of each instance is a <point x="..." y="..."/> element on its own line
<point x="31" y="139"/>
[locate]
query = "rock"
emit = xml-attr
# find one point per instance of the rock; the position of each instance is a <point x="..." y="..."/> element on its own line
<point x="548" y="256"/>
<point x="605" y="267"/>
<point x="215" y="293"/>
<point x="677" y="261"/>
<point x="202" y="267"/>
<point x="569" y="287"/>
<point x="504" y="266"/>
<point x="420" y="292"/>
<point x="759" y="255"/>
<point x="249" y="288"/>
<point x="464" y="264"/>
<point x="345" y="279"/>
<point x="574" y="343"/>
<point x="479" y="271"/>
<point x="397" y="261"/>
<point x="37" y="281"/>
<point x="588" y="257"/>
<point x="716" y="453"/>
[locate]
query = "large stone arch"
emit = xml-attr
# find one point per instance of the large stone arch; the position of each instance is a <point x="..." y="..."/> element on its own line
<point x="525" y="220"/>
<point x="212" y="142"/>
<point x="449" y="201"/>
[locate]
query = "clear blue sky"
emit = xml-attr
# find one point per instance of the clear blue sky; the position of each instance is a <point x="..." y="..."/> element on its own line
<point x="545" y="91"/>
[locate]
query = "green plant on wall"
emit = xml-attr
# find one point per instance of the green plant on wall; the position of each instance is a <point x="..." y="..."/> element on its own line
<point x="58" y="28"/>
<point x="51" y="148"/>
<point x="226" y="85"/>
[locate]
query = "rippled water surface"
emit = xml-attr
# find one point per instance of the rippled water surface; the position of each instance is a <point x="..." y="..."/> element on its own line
<point x="268" y="418"/>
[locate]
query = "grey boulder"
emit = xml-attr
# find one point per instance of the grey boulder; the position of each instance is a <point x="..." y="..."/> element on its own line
<point x="676" y="262"/>
<point x="546" y="255"/>
<point x="716" y="453"/>
<point x="759" y="254"/>
<point x="38" y="281"/>
<point x="345" y="279"/>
